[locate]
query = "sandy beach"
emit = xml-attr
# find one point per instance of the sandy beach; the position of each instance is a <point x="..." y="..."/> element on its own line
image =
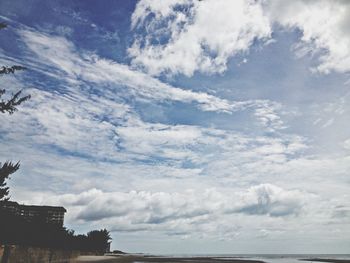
<point x="157" y="259"/>
<point x="129" y="258"/>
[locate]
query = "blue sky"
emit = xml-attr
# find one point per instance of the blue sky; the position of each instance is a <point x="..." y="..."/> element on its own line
<point x="184" y="126"/>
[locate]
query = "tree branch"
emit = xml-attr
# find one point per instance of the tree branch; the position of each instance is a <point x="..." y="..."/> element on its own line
<point x="6" y="170"/>
<point x="3" y="25"/>
<point x="8" y="70"/>
<point x="10" y="105"/>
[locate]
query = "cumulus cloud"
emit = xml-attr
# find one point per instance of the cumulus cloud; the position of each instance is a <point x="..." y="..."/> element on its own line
<point x="271" y="200"/>
<point x="188" y="36"/>
<point x="177" y="36"/>
<point x="324" y="26"/>
<point x="143" y="210"/>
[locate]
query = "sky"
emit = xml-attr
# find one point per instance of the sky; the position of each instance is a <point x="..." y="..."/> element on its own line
<point x="184" y="126"/>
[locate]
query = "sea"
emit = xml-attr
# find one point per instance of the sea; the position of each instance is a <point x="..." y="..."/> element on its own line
<point x="278" y="258"/>
<point x="292" y="258"/>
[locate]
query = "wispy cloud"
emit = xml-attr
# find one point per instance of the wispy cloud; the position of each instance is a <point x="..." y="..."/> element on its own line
<point x="59" y="53"/>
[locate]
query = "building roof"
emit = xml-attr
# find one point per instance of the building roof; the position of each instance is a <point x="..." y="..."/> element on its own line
<point x="38" y="207"/>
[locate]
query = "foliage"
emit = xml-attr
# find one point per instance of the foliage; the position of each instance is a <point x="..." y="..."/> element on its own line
<point x="11" y="104"/>
<point x="2" y="25"/>
<point x="5" y="170"/>
<point x="8" y="70"/>
<point x="100" y="238"/>
<point x="14" y="229"/>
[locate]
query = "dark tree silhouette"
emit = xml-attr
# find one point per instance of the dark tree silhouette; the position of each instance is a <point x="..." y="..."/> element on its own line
<point x="99" y="240"/>
<point x="10" y="105"/>
<point x="8" y="70"/>
<point x="5" y="170"/>
<point x="2" y="25"/>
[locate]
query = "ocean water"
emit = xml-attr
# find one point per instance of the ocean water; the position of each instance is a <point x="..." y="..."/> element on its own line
<point x="295" y="258"/>
<point x="287" y="258"/>
<point x="273" y="258"/>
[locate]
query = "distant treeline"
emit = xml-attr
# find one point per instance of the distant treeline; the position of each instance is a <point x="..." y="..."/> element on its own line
<point x="14" y="229"/>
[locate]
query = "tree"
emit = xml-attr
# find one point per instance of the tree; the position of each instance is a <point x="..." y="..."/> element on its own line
<point x="5" y="170"/>
<point x="9" y="106"/>
<point x="99" y="240"/>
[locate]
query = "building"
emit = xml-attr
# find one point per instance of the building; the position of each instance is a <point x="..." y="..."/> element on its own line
<point x="35" y="213"/>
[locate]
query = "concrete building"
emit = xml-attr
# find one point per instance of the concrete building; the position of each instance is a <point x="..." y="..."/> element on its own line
<point x="31" y="213"/>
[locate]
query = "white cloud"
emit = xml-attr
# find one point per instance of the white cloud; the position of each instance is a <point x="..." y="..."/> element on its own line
<point x="171" y="212"/>
<point x="200" y="35"/>
<point x="347" y="144"/>
<point x="325" y="29"/>
<point x="188" y="36"/>
<point x="271" y="200"/>
<point x="328" y="123"/>
<point x="160" y="140"/>
<point x="266" y="114"/>
<point x="59" y="53"/>
<point x="105" y="128"/>
<point x="104" y="124"/>
<point x="71" y="123"/>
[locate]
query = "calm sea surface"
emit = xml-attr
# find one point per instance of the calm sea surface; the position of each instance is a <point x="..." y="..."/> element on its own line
<point x="279" y="258"/>
<point x="293" y="258"/>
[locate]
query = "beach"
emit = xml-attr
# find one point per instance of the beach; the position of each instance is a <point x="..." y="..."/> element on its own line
<point x="159" y="259"/>
<point x="132" y="258"/>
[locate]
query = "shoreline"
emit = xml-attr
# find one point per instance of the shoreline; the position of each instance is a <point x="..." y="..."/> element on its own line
<point x="130" y="258"/>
